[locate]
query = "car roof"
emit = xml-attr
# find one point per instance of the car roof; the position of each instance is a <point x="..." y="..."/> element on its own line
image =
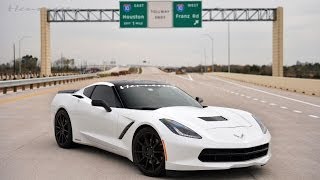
<point x="137" y="82"/>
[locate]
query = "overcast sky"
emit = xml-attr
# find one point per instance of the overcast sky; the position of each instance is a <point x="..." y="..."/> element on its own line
<point x="251" y="42"/>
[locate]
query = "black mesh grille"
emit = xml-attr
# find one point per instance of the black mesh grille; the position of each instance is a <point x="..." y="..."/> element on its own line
<point x="233" y="155"/>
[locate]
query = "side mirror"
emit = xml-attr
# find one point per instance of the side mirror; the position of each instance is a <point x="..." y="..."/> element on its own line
<point x="199" y="99"/>
<point x="101" y="103"/>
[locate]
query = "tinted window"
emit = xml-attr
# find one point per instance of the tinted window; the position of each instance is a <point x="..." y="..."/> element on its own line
<point x="107" y="94"/>
<point x="88" y="91"/>
<point x="154" y="96"/>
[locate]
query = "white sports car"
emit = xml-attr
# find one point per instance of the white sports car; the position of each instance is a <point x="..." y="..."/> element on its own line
<point x="159" y="127"/>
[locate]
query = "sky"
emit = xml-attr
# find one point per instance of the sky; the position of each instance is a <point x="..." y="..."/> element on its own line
<point x="251" y="42"/>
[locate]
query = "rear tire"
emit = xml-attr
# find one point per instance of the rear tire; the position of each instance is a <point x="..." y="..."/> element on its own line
<point x="63" y="129"/>
<point x="148" y="154"/>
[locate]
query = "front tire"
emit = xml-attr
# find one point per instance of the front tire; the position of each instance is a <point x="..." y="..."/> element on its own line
<point x="63" y="129"/>
<point x="148" y="153"/>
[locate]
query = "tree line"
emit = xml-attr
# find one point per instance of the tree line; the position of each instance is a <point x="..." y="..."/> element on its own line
<point x="30" y="64"/>
<point x="299" y="70"/>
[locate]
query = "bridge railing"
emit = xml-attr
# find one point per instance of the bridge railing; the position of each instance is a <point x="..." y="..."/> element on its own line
<point x="5" y="86"/>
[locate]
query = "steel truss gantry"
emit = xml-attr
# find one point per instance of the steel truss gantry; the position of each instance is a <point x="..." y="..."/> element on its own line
<point x="112" y="15"/>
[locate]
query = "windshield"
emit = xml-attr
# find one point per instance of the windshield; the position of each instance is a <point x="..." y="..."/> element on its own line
<point x="150" y="97"/>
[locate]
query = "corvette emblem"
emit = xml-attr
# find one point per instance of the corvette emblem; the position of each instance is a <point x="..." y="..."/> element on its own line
<point x="239" y="136"/>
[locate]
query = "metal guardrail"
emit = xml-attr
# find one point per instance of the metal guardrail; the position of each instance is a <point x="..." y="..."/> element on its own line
<point x="24" y="82"/>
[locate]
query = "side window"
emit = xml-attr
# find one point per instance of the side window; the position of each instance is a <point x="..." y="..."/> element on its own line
<point x="107" y="94"/>
<point x="88" y="91"/>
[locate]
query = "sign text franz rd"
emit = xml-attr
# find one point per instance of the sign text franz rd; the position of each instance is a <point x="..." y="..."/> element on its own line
<point x="187" y="14"/>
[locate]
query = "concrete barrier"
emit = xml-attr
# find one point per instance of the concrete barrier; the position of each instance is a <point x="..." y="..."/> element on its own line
<point x="305" y="86"/>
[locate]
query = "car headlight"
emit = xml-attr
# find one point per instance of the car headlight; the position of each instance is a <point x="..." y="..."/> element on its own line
<point x="180" y="129"/>
<point x="262" y="126"/>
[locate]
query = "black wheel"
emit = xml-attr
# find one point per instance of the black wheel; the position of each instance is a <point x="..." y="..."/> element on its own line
<point x="148" y="153"/>
<point x="63" y="129"/>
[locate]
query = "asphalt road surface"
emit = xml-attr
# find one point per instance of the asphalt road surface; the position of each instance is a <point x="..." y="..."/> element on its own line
<point x="28" y="149"/>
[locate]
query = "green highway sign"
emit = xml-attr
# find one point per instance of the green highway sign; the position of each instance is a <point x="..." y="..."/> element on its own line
<point x="133" y="14"/>
<point x="160" y="14"/>
<point x="187" y="14"/>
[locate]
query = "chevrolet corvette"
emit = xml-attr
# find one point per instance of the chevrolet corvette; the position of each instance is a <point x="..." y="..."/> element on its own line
<point x="159" y="127"/>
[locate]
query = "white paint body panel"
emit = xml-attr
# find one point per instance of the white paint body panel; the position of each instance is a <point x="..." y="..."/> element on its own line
<point x="95" y="127"/>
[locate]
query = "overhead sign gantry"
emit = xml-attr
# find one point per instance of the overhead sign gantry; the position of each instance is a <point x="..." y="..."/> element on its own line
<point x="182" y="14"/>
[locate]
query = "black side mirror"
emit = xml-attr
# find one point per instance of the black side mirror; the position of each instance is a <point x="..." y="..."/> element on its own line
<point x="199" y="99"/>
<point x="101" y="103"/>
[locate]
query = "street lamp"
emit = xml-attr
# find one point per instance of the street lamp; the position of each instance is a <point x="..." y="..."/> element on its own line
<point x="212" y="50"/>
<point x="228" y="46"/>
<point x="205" y="59"/>
<point x="20" y="40"/>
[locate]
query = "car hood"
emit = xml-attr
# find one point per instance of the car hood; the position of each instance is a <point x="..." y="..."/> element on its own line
<point x="207" y="118"/>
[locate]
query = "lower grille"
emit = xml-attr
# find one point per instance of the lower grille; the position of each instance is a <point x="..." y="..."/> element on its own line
<point x="233" y="155"/>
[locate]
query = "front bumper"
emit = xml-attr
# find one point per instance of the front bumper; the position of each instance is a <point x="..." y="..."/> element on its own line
<point x="183" y="153"/>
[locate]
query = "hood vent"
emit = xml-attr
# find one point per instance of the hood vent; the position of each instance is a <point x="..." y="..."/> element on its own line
<point x="214" y="118"/>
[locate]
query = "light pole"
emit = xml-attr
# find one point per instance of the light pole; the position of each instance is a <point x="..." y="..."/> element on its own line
<point x="228" y="47"/>
<point x="14" y="59"/>
<point x="212" y="50"/>
<point x="23" y="37"/>
<point x="205" y="60"/>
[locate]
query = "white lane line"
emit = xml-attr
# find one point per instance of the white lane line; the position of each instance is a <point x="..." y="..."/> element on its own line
<point x="263" y="101"/>
<point x="255" y="99"/>
<point x="242" y="95"/>
<point x="273" y="94"/>
<point x="190" y="78"/>
<point x="272" y="104"/>
<point x="296" y="111"/>
<point x="313" y="116"/>
<point x="283" y="107"/>
<point x="184" y="78"/>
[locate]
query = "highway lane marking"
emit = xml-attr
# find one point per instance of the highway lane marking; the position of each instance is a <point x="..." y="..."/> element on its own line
<point x="262" y="101"/>
<point x="313" y="116"/>
<point x="190" y="77"/>
<point x="273" y="94"/>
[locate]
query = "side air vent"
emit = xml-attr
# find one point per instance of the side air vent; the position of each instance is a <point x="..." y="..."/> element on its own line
<point x="214" y="118"/>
